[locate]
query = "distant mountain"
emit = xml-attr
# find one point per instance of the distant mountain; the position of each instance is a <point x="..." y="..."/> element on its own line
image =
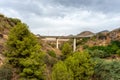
<point x="70" y="35"/>
<point x="104" y="31"/>
<point x="116" y="30"/>
<point x="86" y="33"/>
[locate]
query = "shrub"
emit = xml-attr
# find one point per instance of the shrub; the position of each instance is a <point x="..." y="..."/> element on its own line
<point x="81" y="65"/>
<point x="118" y="52"/>
<point x="5" y="73"/>
<point x="50" y="61"/>
<point x="66" y="49"/>
<point x="105" y="70"/>
<point x="1" y="15"/>
<point x="98" y="53"/>
<point x="52" y="53"/>
<point x="61" y="72"/>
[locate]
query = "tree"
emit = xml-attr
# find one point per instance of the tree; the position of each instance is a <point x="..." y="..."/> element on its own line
<point x="66" y="49"/>
<point x="23" y="52"/>
<point x="61" y="72"/>
<point x="81" y="65"/>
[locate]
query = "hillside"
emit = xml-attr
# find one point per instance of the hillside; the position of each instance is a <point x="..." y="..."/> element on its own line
<point x="102" y="38"/>
<point x="5" y="25"/>
<point x="115" y="34"/>
<point x="98" y="45"/>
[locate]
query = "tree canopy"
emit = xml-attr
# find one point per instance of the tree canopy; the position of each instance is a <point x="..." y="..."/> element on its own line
<point x="81" y="65"/>
<point x="23" y="52"/>
<point x="61" y="72"/>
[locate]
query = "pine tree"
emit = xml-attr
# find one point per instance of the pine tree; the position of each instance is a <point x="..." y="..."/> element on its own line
<point x="61" y="72"/>
<point x="66" y="49"/>
<point x="81" y="65"/>
<point x="23" y="52"/>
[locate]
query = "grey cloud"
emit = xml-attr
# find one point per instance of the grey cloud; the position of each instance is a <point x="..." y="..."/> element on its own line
<point x="95" y="5"/>
<point x="23" y="7"/>
<point x="65" y="16"/>
<point x="55" y="8"/>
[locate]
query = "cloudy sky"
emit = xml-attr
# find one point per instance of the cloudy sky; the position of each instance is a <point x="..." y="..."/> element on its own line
<point x="63" y="17"/>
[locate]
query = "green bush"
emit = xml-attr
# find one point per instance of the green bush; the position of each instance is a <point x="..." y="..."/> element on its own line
<point x="61" y="72"/>
<point x="81" y="42"/>
<point x="5" y="73"/>
<point x="105" y="70"/>
<point x="78" y="66"/>
<point x="52" y="53"/>
<point x="112" y="48"/>
<point x="81" y="65"/>
<point x="15" y="20"/>
<point x="23" y="52"/>
<point x="98" y="53"/>
<point x="118" y="52"/>
<point x="85" y="46"/>
<point x="66" y="49"/>
<point x="50" y="61"/>
<point x="52" y="44"/>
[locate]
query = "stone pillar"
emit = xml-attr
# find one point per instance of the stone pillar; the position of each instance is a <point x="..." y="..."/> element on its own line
<point x="74" y="45"/>
<point x="57" y="43"/>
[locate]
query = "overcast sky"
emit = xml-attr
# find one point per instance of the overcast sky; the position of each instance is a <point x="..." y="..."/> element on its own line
<point x="64" y="17"/>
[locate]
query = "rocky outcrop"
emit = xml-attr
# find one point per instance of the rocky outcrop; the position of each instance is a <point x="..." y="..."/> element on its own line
<point x="115" y="34"/>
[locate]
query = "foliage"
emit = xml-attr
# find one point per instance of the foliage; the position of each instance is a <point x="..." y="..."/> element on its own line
<point x="114" y="47"/>
<point x="85" y="46"/>
<point x="105" y="70"/>
<point x="5" y="73"/>
<point x="118" y="52"/>
<point x="1" y="15"/>
<point x="115" y="43"/>
<point x="78" y="66"/>
<point x="49" y="61"/>
<point x="15" y="20"/>
<point x="51" y="44"/>
<point x="66" y="49"/>
<point x="7" y="23"/>
<point x="98" y="53"/>
<point x="82" y="41"/>
<point x="52" y="53"/>
<point x="105" y="51"/>
<point x="61" y="72"/>
<point x="81" y="65"/>
<point x="23" y="52"/>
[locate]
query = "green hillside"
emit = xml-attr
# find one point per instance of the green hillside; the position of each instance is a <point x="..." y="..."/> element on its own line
<point x="24" y="56"/>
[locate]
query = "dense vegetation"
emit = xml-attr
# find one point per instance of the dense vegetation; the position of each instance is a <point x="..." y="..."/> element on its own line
<point x="78" y="66"/>
<point x="23" y="52"/>
<point x="105" y="51"/>
<point x="26" y="59"/>
<point x="106" y="70"/>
